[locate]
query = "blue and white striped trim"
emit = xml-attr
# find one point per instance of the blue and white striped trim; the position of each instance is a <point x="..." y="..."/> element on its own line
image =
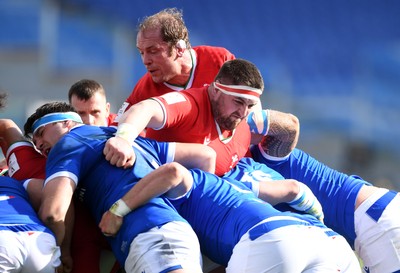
<point x="55" y="117"/>
<point x="273" y="223"/>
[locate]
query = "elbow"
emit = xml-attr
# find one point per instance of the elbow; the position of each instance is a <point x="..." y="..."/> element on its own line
<point x="293" y="188"/>
<point x="48" y="218"/>
<point x="175" y="173"/>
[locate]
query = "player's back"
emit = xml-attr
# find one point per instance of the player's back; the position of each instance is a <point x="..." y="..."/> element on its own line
<point x="336" y="191"/>
<point x="221" y="211"/>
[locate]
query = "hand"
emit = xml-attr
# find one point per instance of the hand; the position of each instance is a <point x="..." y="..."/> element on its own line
<point x="119" y="152"/>
<point x="110" y="223"/>
<point x="307" y="202"/>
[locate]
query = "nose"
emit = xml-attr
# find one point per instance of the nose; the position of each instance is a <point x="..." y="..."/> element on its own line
<point x="91" y="120"/>
<point x="85" y="118"/>
<point x="146" y="59"/>
<point x="243" y="111"/>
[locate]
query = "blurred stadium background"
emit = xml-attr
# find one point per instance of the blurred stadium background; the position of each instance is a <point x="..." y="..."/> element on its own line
<point x="333" y="63"/>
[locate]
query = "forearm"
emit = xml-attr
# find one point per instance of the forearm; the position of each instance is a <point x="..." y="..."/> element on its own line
<point x="9" y="133"/>
<point x="147" y="113"/>
<point x="278" y="191"/>
<point x="171" y="179"/>
<point x="56" y="199"/>
<point x="167" y="179"/>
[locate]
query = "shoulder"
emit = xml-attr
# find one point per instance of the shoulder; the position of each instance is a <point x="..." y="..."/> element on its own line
<point x="214" y="54"/>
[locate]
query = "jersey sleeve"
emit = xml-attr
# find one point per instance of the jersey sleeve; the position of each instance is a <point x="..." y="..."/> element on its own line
<point x="179" y="109"/>
<point x="24" y="161"/>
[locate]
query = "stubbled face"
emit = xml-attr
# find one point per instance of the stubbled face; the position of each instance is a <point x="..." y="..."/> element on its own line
<point x="93" y="111"/>
<point x="47" y="136"/>
<point x="229" y="110"/>
<point x="157" y="57"/>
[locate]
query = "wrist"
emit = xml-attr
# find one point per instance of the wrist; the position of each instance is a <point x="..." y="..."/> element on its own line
<point x="300" y="196"/>
<point x="120" y="208"/>
<point x="258" y="122"/>
<point x="127" y="131"/>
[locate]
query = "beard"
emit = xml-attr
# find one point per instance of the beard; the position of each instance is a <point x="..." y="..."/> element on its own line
<point x="225" y="122"/>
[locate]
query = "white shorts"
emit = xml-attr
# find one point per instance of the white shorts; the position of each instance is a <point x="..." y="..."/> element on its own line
<point x="377" y="226"/>
<point x="28" y="252"/>
<point x="163" y="249"/>
<point x="293" y="248"/>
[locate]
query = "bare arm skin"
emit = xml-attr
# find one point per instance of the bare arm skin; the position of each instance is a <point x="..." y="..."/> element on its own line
<point x="283" y="134"/>
<point x="171" y="179"/>
<point x="56" y="199"/>
<point x="278" y="191"/>
<point x="198" y="156"/>
<point x="296" y="194"/>
<point x="147" y="113"/>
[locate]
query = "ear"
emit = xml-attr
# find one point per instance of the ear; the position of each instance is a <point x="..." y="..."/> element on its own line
<point x="68" y="124"/>
<point x="180" y="51"/>
<point x="180" y="47"/>
<point x="108" y="106"/>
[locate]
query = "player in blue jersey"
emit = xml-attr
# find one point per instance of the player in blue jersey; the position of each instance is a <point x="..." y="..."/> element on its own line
<point x="154" y="238"/>
<point x="242" y="232"/>
<point x="26" y="244"/>
<point x="365" y="215"/>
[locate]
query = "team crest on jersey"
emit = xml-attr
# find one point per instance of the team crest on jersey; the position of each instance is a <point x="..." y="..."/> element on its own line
<point x="235" y="159"/>
<point x="173" y="97"/>
<point x="207" y="140"/>
<point x="13" y="165"/>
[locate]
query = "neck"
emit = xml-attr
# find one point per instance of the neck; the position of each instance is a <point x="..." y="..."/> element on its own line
<point x="185" y="70"/>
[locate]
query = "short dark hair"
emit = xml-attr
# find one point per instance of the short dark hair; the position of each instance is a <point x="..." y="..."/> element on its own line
<point x="51" y="107"/>
<point x="240" y="71"/>
<point x="85" y="89"/>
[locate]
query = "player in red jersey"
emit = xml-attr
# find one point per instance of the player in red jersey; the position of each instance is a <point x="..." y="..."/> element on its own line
<point x="214" y="115"/>
<point x="171" y="63"/>
<point x="89" y="100"/>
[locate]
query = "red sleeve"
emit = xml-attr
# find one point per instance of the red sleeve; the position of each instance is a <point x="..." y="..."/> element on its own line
<point x="25" y="162"/>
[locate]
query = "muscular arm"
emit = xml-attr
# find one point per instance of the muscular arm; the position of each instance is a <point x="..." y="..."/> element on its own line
<point x="171" y="179"/>
<point x="296" y="194"/>
<point x="283" y="134"/>
<point x="147" y="113"/>
<point x="56" y="199"/>
<point x="278" y="191"/>
<point x="9" y="134"/>
<point x="197" y="156"/>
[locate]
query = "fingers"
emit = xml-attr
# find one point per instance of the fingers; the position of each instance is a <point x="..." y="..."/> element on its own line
<point x="110" y="224"/>
<point x="119" y="152"/>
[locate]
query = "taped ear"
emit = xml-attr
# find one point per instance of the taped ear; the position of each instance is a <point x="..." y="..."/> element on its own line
<point x="181" y="44"/>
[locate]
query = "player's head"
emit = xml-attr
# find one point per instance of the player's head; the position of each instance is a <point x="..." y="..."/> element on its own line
<point x="236" y="89"/>
<point x="88" y="98"/>
<point x="49" y="123"/>
<point x="3" y="97"/>
<point x="162" y="41"/>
